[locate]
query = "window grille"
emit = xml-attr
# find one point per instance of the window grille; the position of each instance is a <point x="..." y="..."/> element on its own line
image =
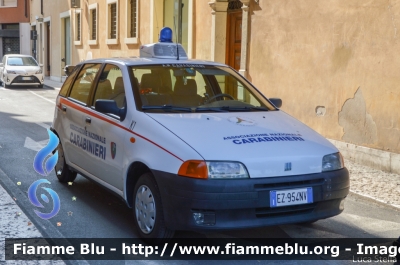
<point x="78" y="26"/>
<point x="94" y="24"/>
<point x="113" y="31"/>
<point x="133" y="18"/>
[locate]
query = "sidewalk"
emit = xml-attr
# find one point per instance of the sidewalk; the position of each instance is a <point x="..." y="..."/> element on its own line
<point x="13" y="222"/>
<point x="52" y="84"/>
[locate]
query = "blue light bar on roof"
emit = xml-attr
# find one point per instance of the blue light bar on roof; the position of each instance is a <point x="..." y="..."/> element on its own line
<point x="165" y="35"/>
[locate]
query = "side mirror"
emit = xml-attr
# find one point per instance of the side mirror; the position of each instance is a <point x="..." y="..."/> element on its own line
<point x="276" y="101"/>
<point x="68" y="69"/>
<point x="109" y="106"/>
<point x="40" y="65"/>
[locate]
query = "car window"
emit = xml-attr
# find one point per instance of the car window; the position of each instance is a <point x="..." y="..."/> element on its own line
<point x="21" y="61"/>
<point x="111" y="86"/>
<point x="81" y="87"/>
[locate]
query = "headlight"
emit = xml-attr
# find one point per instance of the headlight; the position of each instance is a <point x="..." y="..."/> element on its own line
<point x="9" y="72"/>
<point x="39" y="72"/>
<point x="332" y="162"/>
<point x="213" y="170"/>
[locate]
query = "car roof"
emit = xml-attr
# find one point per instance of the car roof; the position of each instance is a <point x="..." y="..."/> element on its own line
<point x="129" y="61"/>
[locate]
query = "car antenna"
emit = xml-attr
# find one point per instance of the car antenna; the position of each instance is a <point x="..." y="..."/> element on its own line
<point x="176" y="37"/>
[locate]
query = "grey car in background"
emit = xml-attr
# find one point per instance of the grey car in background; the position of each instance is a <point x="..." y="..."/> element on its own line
<point x="20" y="70"/>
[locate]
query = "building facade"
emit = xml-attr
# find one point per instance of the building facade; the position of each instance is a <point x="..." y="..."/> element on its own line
<point x="334" y="66"/>
<point x="14" y="27"/>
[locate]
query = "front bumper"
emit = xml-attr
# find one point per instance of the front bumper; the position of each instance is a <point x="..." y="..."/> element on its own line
<point x="23" y="80"/>
<point x="245" y="203"/>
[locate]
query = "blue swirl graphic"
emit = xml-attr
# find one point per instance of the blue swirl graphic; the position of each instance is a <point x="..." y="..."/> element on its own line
<point x="34" y="200"/>
<point x="43" y="153"/>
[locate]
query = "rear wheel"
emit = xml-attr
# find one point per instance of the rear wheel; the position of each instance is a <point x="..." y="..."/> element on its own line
<point x="64" y="174"/>
<point x="149" y="212"/>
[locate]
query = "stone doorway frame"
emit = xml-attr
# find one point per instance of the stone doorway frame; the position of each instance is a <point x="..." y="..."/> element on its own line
<point x="218" y="32"/>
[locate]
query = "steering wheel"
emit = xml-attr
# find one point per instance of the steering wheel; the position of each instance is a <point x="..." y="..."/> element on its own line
<point x="219" y="95"/>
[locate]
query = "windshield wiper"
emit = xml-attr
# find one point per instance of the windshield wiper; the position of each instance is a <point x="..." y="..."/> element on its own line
<point x="166" y="108"/>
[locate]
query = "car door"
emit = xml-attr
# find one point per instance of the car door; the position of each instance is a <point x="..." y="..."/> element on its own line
<point x="74" y="126"/>
<point x="106" y="130"/>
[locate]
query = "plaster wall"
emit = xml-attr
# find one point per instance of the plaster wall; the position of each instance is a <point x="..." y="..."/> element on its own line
<point x="202" y="30"/>
<point x="121" y="48"/>
<point x="24" y="38"/>
<point x="334" y="65"/>
<point x="51" y="14"/>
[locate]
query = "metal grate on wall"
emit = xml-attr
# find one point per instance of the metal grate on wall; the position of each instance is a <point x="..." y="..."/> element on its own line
<point x="94" y="23"/>
<point x="10" y="45"/>
<point x="133" y="18"/>
<point x="78" y="26"/>
<point x="113" y="12"/>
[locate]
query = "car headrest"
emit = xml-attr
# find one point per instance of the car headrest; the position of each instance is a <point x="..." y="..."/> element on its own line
<point x="150" y="81"/>
<point x="119" y="85"/>
<point x="189" y="89"/>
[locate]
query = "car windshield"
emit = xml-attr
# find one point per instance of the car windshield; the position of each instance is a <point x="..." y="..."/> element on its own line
<point x="21" y="61"/>
<point x="195" y="88"/>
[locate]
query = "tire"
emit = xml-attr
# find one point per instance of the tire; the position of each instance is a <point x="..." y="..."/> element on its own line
<point x="148" y="211"/>
<point x="40" y="86"/>
<point x="6" y="86"/>
<point x="63" y="173"/>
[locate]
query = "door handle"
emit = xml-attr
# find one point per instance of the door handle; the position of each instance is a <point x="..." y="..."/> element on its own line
<point x="64" y="108"/>
<point x="88" y="120"/>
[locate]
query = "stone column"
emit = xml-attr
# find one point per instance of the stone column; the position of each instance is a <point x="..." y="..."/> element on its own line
<point x="218" y="30"/>
<point x="245" y="37"/>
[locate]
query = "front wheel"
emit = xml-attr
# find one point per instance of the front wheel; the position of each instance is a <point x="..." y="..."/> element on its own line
<point x="148" y="211"/>
<point x="6" y="86"/>
<point x="64" y="174"/>
<point x="40" y="86"/>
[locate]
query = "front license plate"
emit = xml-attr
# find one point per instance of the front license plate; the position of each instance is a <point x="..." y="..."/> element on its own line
<point x="26" y="78"/>
<point x="291" y="197"/>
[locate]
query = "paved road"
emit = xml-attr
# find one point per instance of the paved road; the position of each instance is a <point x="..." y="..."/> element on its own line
<point x="25" y="114"/>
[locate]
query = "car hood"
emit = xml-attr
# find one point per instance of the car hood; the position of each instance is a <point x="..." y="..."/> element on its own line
<point x="269" y="144"/>
<point x="23" y="69"/>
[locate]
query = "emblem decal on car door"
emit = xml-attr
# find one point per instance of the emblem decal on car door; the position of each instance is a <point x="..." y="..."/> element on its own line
<point x="113" y="149"/>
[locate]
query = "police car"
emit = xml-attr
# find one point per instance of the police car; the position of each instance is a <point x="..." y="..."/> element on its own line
<point x="192" y="145"/>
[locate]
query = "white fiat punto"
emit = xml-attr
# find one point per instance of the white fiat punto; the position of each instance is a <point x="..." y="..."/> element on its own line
<point x="192" y="145"/>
